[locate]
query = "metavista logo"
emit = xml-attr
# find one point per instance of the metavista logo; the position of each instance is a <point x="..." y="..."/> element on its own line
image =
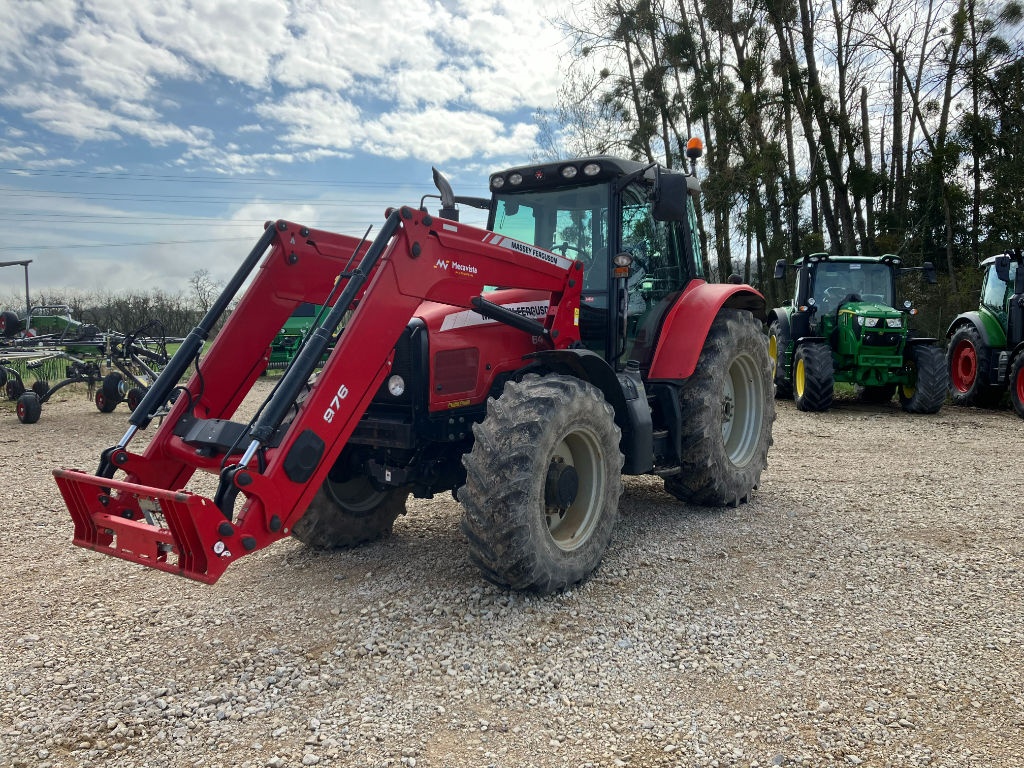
<point x="462" y="269"/>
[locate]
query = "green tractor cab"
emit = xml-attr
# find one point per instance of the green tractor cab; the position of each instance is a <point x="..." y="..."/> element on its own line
<point x="845" y="324"/>
<point x="986" y="346"/>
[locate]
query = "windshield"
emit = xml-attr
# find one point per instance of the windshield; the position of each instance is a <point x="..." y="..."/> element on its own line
<point x="572" y="222"/>
<point x="834" y="281"/>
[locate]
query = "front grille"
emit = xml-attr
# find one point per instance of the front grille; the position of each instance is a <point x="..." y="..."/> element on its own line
<point x="881" y="339"/>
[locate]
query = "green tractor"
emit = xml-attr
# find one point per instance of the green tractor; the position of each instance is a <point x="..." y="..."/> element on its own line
<point x="843" y="325"/>
<point x="288" y="340"/>
<point x="986" y="345"/>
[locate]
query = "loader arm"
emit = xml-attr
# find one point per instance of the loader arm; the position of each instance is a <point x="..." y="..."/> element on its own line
<point x="137" y="507"/>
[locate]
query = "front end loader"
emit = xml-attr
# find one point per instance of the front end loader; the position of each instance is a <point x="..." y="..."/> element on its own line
<point x="524" y="368"/>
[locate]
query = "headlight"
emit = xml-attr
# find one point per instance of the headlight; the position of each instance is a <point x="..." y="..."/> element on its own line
<point x="870" y="322"/>
<point x="894" y="322"/>
<point x="396" y="385"/>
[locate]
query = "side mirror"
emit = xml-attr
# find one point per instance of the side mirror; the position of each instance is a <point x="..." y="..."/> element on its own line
<point x="1003" y="268"/>
<point x="928" y="271"/>
<point x="780" y="269"/>
<point x="670" y="196"/>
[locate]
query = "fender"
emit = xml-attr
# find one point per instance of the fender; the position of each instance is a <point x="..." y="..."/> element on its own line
<point x="779" y="314"/>
<point x="988" y="328"/>
<point x="688" y="321"/>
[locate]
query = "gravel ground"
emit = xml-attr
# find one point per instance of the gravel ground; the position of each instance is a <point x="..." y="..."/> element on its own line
<point x="864" y="609"/>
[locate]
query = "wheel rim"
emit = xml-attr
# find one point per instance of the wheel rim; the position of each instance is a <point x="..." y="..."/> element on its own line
<point x="773" y="352"/>
<point x="799" y="377"/>
<point x="356" y="496"/>
<point x="1018" y="384"/>
<point x="569" y="526"/>
<point x="965" y="366"/>
<point x="742" y="410"/>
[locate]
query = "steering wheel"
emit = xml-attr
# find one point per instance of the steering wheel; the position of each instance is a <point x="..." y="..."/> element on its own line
<point x="836" y="292"/>
<point x="563" y="247"/>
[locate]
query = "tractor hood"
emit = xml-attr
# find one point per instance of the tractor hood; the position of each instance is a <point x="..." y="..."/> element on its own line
<point x="867" y="312"/>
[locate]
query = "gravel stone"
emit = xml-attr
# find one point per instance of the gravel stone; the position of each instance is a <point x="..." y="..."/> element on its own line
<point x="863" y="609"/>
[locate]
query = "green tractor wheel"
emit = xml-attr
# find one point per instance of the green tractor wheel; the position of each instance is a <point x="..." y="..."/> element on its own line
<point x="968" y="366"/>
<point x="813" y="377"/>
<point x="1017" y="384"/>
<point x="927" y="391"/>
<point x="778" y="341"/>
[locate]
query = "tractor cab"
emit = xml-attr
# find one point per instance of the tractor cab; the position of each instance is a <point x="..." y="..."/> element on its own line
<point x="633" y="227"/>
<point x="1001" y="292"/>
<point x="852" y="292"/>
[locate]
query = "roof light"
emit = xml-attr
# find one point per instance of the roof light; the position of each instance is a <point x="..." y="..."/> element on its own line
<point x="515" y="179"/>
<point x="591" y="169"/>
<point x="497" y="182"/>
<point x="694" y="148"/>
<point x="569" y="172"/>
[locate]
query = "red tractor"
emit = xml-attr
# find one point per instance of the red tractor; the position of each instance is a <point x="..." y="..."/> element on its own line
<point x="524" y="368"/>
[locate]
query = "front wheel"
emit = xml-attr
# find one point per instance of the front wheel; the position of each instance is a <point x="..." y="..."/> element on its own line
<point x="1017" y="384"/>
<point x="778" y="344"/>
<point x="925" y="392"/>
<point x="968" y="363"/>
<point x="543" y="482"/>
<point x="349" y="513"/>
<point x="727" y="412"/>
<point x="813" y="377"/>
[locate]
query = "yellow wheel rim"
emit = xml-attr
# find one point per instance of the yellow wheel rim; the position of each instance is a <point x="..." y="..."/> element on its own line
<point x="798" y="377"/>
<point x="773" y="352"/>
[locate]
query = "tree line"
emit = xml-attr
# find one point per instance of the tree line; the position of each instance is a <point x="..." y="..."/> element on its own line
<point x="175" y="313"/>
<point x="872" y="126"/>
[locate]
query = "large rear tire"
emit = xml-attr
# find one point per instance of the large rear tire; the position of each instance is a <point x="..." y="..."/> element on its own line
<point x="968" y="362"/>
<point x="813" y="377"/>
<point x="349" y="514"/>
<point x="1017" y="384"/>
<point x="727" y="413"/>
<point x="543" y="482"/>
<point x="927" y="392"/>
<point x="778" y="342"/>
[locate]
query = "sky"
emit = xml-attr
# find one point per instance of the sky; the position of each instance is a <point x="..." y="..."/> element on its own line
<point x="143" y="141"/>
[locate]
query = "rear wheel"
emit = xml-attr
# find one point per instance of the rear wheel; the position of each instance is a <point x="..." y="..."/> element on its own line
<point x="1017" y="384"/>
<point x="348" y="514"/>
<point x="926" y="392"/>
<point x="41" y="387"/>
<point x="876" y="394"/>
<point x="543" y="482"/>
<point x="727" y="413"/>
<point x="778" y="341"/>
<point x="29" y="408"/>
<point x="968" y="362"/>
<point x="813" y="377"/>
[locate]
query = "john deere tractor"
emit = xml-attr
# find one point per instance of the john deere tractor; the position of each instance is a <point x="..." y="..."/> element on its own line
<point x="986" y="346"/>
<point x="843" y="325"/>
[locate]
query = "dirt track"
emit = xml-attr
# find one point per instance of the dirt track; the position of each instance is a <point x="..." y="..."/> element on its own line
<point x="863" y="610"/>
